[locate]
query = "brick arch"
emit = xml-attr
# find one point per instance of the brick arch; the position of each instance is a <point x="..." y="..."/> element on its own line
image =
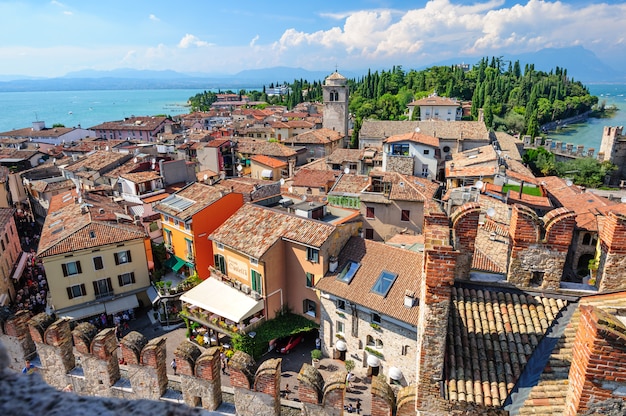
<point x="525" y="226"/>
<point x="465" y="229"/>
<point x="559" y="225"/>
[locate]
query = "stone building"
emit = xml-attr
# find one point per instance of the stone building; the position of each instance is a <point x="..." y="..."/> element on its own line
<point x="336" y="95"/>
<point x="12" y="259"/>
<point x="369" y="308"/>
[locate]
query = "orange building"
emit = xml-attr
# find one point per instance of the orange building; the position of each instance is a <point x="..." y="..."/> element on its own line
<point x="188" y="217"/>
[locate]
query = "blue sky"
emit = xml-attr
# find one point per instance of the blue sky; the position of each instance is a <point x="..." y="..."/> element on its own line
<point x="52" y="38"/>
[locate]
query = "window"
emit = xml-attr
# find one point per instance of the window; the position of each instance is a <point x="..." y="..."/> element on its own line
<point x="376" y="318"/>
<point x="310" y="307"/>
<point x="256" y="278"/>
<point x="97" y="263"/>
<point x="424" y="170"/>
<point x="369" y="233"/>
<point x="76" y="291"/>
<point x="313" y="255"/>
<point x="220" y="263"/>
<point x="70" y="269"/>
<point x="168" y="237"/>
<point x="348" y="272"/>
<point x="405" y="215"/>
<point x="220" y="246"/>
<point x="370" y="212"/>
<point x="126" y="279"/>
<point x="400" y="149"/>
<point x="369" y="341"/>
<point x="446" y="149"/>
<point x="254" y="262"/>
<point x="122" y="257"/>
<point x="341" y="304"/>
<point x="378" y="343"/>
<point x="340" y="327"/>
<point x="309" y="279"/>
<point x="405" y="349"/>
<point x="426" y="151"/>
<point x="384" y="282"/>
<point x="103" y="288"/>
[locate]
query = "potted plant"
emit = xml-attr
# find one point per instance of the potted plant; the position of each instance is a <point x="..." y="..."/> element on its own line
<point x="593" y="271"/>
<point x="349" y="365"/>
<point x="316" y="356"/>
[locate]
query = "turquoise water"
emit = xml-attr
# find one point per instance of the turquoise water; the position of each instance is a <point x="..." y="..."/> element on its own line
<point x="589" y="133"/>
<point x="89" y="108"/>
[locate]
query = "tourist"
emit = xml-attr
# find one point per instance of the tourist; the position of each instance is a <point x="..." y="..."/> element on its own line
<point x="173" y="364"/>
<point x="29" y="368"/>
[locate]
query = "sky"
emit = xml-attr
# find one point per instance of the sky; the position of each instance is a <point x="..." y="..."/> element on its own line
<point x="53" y="38"/>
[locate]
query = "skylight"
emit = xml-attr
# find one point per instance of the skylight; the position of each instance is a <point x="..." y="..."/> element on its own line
<point x="348" y="272"/>
<point x="384" y="282"/>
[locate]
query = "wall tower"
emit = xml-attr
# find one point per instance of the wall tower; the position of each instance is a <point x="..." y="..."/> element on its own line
<point x="336" y="93"/>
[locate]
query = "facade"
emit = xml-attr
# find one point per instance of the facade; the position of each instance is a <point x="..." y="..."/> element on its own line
<point x="369" y="308"/>
<point x="267" y="168"/>
<point x="313" y="182"/>
<point x="435" y="107"/>
<point x="412" y="154"/>
<point x="319" y="143"/>
<point x="145" y="129"/>
<point x="393" y="203"/>
<point x="39" y="133"/>
<point x="188" y="217"/>
<point x="277" y="257"/>
<point x="336" y="95"/>
<point x="94" y="264"/>
<point x="12" y="260"/>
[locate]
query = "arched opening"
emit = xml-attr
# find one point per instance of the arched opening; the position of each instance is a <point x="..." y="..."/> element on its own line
<point x="586" y="239"/>
<point x="582" y="268"/>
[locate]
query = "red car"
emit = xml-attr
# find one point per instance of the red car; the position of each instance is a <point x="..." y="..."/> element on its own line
<point x="290" y="344"/>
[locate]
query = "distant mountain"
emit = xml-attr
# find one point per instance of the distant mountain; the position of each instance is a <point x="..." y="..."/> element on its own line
<point x="126" y="73"/>
<point x="280" y="74"/>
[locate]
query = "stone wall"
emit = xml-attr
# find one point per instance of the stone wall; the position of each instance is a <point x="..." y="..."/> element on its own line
<point x="400" y="164"/>
<point x="613" y="253"/>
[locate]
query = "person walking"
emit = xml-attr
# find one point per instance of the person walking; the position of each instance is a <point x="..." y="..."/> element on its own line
<point x="173" y="364"/>
<point x="29" y="368"/>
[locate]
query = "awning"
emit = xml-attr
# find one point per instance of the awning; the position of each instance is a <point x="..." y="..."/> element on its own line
<point x="373" y="361"/>
<point x="267" y="173"/>
<point x="152" y="295"/>
<point x="341" y="346"/>
<point x="21" y="264"/>
<point x="223" y="300"/>
<point x="121" y="304"/>
<point x="395" y="373"/>
<point x="83" y="312"/>
<point x="175" y="263"/>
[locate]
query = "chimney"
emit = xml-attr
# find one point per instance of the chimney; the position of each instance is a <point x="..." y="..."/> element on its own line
<point x="332" y="265"/>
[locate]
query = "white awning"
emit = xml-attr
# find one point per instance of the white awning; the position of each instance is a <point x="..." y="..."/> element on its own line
<point x="20" y="266"/>
<point x="152" y="294"/>
<point x="267" y="173"/>
<point x="341" y="346"/>
<point x="84" y="312"/>
<point x="121" y="304"/>
<point x="395" y="373"/>
<point x="223" y="300"/>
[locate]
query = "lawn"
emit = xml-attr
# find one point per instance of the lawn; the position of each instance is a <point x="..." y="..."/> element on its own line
<point x="527" y="190"/>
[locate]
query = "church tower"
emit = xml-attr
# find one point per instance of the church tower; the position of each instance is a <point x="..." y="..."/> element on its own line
<point x="336" y="94"/>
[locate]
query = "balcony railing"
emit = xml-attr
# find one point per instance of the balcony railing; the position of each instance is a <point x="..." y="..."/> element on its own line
<point x="103" y="295"/>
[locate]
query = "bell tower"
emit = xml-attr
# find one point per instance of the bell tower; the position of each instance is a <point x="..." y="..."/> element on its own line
<point x="336" y="93"/>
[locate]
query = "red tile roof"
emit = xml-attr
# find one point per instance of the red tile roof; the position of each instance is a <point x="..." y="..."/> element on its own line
<point x="414" y="137"/>
<point x="268" y="161"/>
<point x="315" y="178"/>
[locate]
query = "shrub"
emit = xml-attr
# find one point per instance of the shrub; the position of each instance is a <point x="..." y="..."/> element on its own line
<point x="349" y="365"/>
<point x="316" y="354"/>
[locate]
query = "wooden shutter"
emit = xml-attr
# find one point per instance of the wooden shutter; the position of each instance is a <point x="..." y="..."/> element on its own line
<point x="129" y="258"/>
<point x="78" y="267"/>
<point x="109" y="285"/>
<point x="132" y="277"/>
<point x="64" y="267"/>
<point x="95" y="288"/>
<point x="83" y="290"/>
<point x="69" y="293"/>
<point x="117" y="260"/>
<point x="120" y="281"/>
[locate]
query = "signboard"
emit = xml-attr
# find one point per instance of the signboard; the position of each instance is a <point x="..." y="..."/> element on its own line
<point x="238" y="268"/>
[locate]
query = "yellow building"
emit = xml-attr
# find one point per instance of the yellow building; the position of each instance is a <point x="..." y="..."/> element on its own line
<point x="95" y="262"/>
<point x="12" y="260"/>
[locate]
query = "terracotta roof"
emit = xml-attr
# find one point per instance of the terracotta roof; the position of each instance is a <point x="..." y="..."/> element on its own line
<point x="319" y="136"/>
<point x="190" y="200"/>
<point x="29" y="132"/>
<point x="5" y="216"/>
<point x="374" y="258"/>
<point x="491" y="335"/>
<point x="315" y="178"/>
<point x="407" y="187"/>
<point x="350" y="184"/>
<point x="258" y="147"/>
<point x="466" y="130"/>
<point x="217" y="142"/>
<point x="336" y="75"/>
<point x="491" y="250"/>
<point x="339" y="156"/>
<point x="436" y="100"/>
<point x="143" y="123"/>
<point x="139" y="177"/>
<point x="71" y="226"/>
<point x="96" y="161"/>
<point x="43" y="186"/>
<point x="253" y="229"/>
<point x="414" y="137"/>
<point x="268" y="161"/>
<point x="510" y="145"/>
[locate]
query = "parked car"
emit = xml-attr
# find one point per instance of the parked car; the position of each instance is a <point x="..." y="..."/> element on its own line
<point x="289" y="343"/>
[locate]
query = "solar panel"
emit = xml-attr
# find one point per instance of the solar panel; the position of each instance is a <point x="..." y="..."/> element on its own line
<point x="177" y="203"/>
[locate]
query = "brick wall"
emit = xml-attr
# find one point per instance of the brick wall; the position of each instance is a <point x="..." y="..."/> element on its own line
<point x="465" y="227"/>
<point x="598" y="370"/>
<point x="613" y="250"/>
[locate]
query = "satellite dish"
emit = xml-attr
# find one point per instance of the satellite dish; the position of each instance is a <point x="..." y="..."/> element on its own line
<point x="282" y="181"/>
<point x="623" y="199"/>
<point x="135" y="160"/>
<point x="417" y="130"/>
<point x="303" y="198"/>
<point x="346" y="170"/>
<point x="569" y="182"/>
<point x="206" y="176"/>
<point x="479" y="184"/>
<point x="239" y="168"/>
<point x="106" y="148"/>
<point x="153" y="161"/>
<point x="290" y="189"/>
<point x="491" y="212"/>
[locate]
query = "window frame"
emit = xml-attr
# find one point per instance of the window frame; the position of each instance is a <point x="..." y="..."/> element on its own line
<point x="81" y="288"/>
<point x="370" y="212"/>
<point x="340" y="304"/>
<point x="122" y="255"/>
<point x="95" y="266"/>
<point x="310" y="280"/>
<point x="405" y="215"/>
<point x="307" y="303"/>
<point x="312" y="255"/>
<point x="121" y="281"/>
<point x="66" y="271"/>
<point x="109" y="285"/>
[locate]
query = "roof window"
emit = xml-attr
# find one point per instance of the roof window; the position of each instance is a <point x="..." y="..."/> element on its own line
<point x="384" y="282"/>
<point x="348" y="272"/>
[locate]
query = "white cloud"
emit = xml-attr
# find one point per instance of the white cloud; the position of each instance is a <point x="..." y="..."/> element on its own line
<point x="58" y="4"/>
<point x="190" y="40"/>
<point x="443" y="27"/>
<point x="253" y="41"/>
<point x="68" y="13"/>
<point x="154" y="18"/>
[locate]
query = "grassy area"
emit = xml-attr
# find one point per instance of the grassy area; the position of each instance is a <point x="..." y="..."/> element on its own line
<point x="527" y="190"/>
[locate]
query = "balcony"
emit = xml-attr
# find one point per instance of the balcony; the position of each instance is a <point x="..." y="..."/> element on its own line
<point x="104" y="295"/>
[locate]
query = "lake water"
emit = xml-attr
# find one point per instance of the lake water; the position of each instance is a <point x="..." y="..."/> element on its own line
<point x="89" y="108"/>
